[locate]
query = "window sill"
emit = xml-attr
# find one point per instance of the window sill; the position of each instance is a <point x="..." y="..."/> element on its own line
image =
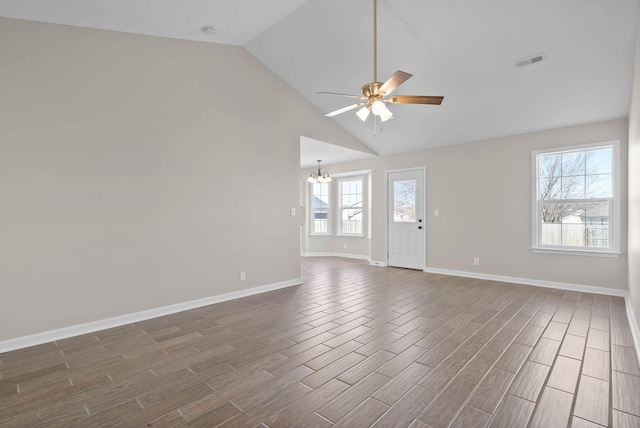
<point x="569" y="252"/>
<point x="346" y="235"/>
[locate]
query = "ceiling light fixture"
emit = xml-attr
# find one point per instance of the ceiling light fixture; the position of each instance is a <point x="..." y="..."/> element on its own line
<point x="376" y="95"/>
<point x="319" y="177"/>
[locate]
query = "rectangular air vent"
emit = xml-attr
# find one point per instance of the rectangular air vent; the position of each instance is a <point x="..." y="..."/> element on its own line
<point x="523" y="62"/>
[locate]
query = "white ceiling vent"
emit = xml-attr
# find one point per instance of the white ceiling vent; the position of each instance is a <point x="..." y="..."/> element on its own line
<point x="533" y="59"/>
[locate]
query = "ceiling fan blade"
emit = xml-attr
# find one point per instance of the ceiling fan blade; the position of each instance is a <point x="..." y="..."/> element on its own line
<point x="360" y="97"/>
<point x="396" y="79"/>
<point x="415" y="99"/>
<point x="343" y="109"/>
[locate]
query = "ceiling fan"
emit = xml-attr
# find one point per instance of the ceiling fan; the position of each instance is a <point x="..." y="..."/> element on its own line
<point x="376" y="94"/>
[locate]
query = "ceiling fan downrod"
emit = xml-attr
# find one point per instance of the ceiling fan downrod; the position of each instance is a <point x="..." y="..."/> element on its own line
<point x="375" y="40"/>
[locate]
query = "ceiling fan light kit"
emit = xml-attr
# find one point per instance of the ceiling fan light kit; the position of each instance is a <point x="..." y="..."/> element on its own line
<point x="363" y="113"/>
<point x="375" y="95"/>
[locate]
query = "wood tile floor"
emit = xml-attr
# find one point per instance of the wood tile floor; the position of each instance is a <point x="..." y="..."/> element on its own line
<point x="355" y="346"/>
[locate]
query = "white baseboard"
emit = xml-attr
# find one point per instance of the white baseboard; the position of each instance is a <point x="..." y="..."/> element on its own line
<point x="93" y="326"/>
<point x="349" y="256"/>
<point x="635" y="327"/>
<point x="529" y="281"/>
<point x="345" y="255"/>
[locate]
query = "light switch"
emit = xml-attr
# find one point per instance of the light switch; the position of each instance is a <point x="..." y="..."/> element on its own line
<point x="293" y="211"/>
<point x="436" y="212"/>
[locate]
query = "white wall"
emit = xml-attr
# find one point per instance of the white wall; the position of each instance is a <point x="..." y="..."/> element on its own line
<point x="634" y="189"/>
<point x="138" y="172"/>
<point x="485" y="186"/>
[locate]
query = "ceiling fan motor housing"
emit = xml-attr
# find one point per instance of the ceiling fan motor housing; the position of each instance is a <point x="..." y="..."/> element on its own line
<point x="372" y="90"/>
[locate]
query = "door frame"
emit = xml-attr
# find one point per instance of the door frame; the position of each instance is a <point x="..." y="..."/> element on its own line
<point x="423" y="207"/>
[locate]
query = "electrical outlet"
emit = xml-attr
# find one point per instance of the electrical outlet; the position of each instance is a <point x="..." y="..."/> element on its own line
<point x="243" y="276"/>
<point x="436" y="212"/>
<point x="476" y="261"/>
<point x="345" y="246"/>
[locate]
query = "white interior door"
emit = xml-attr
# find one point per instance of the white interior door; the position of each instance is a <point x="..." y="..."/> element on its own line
<point x="405" y="225"/>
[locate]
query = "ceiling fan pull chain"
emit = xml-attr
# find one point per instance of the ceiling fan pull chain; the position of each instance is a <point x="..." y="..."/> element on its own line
<point x="375" y="125"/>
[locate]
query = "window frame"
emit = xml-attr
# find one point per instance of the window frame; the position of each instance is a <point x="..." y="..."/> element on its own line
<point x="613" y="250"/>
<point x="312" y="211"/>
<point x="339" y="207"/>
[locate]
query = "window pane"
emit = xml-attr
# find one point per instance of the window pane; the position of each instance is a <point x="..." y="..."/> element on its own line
<point x="573" y="187"/>
<point x="551" y="234"/>
<point x="573" y="235"/>
<point x="573" y="213"/>
<point x="599" y="161"/>
<point x="549" y="188"/>
<point x="321" y="226"/>
<point x="562" y="224"/>
<point x="351" y="206"/>
<point x="597" y="223"/>
<point x="549" y="165"/>
<point x="352" y="221"/>
<point x="320" y="207"/>
<point x="573" y="224"/>
<point x="551" y="226"/>
<point x="573" y="163"/>
<point x="552" y="212"/>
<point x="321" y="192"/>
<point x="597" y="213"/>
<point x="599" y="186"/>
<point x="404" y="201"/>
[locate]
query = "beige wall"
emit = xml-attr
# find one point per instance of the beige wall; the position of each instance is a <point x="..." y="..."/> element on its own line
<point x="357" y="247"/>
<point x="634" y="188"/>
<point x="485" y="186"/>
<point x="138" y="172"/>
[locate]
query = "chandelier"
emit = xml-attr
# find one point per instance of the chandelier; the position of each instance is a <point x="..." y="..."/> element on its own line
<point x="319" y="177"/>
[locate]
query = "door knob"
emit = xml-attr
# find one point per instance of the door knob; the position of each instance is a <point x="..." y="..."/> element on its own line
<point x="419" y="227"/>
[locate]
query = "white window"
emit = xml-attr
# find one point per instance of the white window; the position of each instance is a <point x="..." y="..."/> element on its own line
<point x="576" y="198"/>
<point x="350" y="211"/>
<point x="320" y="205"/>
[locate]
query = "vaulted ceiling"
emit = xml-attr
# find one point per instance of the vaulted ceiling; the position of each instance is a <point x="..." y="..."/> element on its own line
<point x="464" y="50"/>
